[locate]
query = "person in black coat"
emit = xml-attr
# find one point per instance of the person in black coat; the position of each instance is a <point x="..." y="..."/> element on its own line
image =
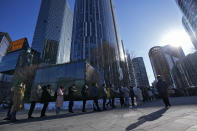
<point x="163" y="91"/>
<point x="132" y="95"/>
<point x="71" y="94"/>
<point x="95" y="95"/>
<point x="84" y="93"/>
<point x="45" y="98"/>
<point x="104" y="94"/>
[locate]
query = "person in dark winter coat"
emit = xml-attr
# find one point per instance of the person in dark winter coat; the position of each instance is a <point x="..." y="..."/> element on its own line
<point x="35" y="97"/>
<point x="121" y="95"/>
<point x="71" y="94"/>
<point x="104" y="94"/>
<point x="163" y="91"/>
<point x="10" y="104"/>
<point x="132" y="95"/>
<point x="95" y="95"/>
<point x="45" y="98"/>
<point x="84" y="93"/>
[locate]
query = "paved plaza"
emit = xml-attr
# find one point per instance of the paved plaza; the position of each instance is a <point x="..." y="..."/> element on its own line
<point x="182" y="116"/>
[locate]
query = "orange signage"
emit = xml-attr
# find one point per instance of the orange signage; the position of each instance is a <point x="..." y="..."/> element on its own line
<point x="16" y="45"/>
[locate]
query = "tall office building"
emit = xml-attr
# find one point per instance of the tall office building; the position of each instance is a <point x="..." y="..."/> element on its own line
<point x="52" y="37"/>
<point x="141" y="78"/>
<point x="163" y="60"/>
<point x="189" y="9"/>
<point x="95" y="34"/>
<point x="5" y="41"/>
<point x="189" y="30"/>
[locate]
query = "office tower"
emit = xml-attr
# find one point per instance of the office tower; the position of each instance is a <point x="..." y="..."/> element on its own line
<point x="95" y="36"/>
<point x="131" y="70"/>
<point x="9" y="62"/>
<point x="5" y="41"/>
<point x="163" y="60"/>
<point x="52" y="37"/>
<point x="189" y="9"/>
<point x="189" y="30"/>
<point x="140" y="73"/>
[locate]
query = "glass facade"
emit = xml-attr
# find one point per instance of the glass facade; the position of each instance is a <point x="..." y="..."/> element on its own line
<point x="189" y="9"/>
<point x="95" y="34"/>
<point x="141" y="77"/>
<point x="54" y="24"/>
<point x="4" y="44"/>
<point x="66" y="74"/>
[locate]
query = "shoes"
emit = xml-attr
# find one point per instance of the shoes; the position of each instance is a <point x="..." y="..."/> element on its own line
<point x="43" y="116"/>
<point x="83" y="110"/>
<point x="30" y="117"/>
<point x="71" y="111"/>
<point x="7" y="118"/>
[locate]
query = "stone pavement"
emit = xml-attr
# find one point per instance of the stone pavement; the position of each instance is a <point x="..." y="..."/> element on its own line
<point x="182" y="116"/>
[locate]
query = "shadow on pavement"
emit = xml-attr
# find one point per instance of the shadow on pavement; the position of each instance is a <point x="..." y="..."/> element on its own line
<point x="37" y="119"/>
<point x="150" y="117"/>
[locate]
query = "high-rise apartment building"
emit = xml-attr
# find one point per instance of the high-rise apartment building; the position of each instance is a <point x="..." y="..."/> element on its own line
<point x="95" y="35"/>
<point x="141" y="78"/>
<point x="52" y="37"/>
<point x="163" y="60"/>
<point x="189" y="9"/>
<point x="5" y="41"/>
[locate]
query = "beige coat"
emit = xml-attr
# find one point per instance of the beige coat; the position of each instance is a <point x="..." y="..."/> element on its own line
<point x="18" y="99"/>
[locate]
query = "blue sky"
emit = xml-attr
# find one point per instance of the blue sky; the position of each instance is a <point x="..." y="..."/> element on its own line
<point x="142" y="23"/>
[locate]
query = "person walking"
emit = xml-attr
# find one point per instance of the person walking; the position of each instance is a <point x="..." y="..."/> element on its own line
<point x="8" y="116"/>
<point x="113" y="95"/>
<point x="163" y="91"/>
<point x="132" y="95"/>
<point x="121" y="95"/>
<point x="138" y="94"/>
<point x="18" y="100"/>
<point x="84" y="93"/>
<point x="126" y="96"/>
<point x="71" y="94"/>
<point x="45" y="98"/>
<point x="104" y="94"/>
<point x="60" y="99"/>
<point x="35" y="97"/>
<point x="109" y="103"/>
<point x="95" y="95"/>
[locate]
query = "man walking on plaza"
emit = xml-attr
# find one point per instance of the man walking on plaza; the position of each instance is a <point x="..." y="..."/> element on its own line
<point x="45" y="98"/>
<point x="163" y="91"/>
<point x="35" y="97"/>
<point x="71" y="93"/>
<point x="84" y="93"/>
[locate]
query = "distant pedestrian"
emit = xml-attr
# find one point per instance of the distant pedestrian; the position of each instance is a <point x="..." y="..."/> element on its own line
<point x="60" y="99"/>
<point x="163" y="91"/>
<point x="126" y="96"/>
<point x="18" y="100"/>
<point x="121" y="95"/>
<point x="34" y="98"/>
<point x="132" y="95"/>
<point x="95" y="95"/>
<point x="150" y="94"/>
<point x="84" y="93"/>
<point x="113" y="93"/>
<point x="138" y="94"/>
<point x="71" y="93"/>
<point x="8" y="117"/>
<point x="109" y="103"/>
<point x="45" y="98"/>
<point x="104" y="96"/>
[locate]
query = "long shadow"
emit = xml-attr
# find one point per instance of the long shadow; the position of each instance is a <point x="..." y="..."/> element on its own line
<point x="37" y="119"/>
<point x="150" y="117"/>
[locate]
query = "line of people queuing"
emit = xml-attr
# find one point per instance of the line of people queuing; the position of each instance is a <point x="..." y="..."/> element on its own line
<point x="108" y="95"/>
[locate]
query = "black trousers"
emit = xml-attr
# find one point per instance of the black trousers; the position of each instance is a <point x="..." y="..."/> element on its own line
<point x="9" y="109"/>
<point x="132" y="101"/>
<point x="113" y="104"/>
<point x="84" y="104"/>
<point x="96" y="103"/>
<point x="104" y="103"/>
<point x="33" y="104"/>
<point x="121" y="101"/>
<point x="71" y="103"/>
<point x="166" y="101"/>
<point x="44" y="108"/>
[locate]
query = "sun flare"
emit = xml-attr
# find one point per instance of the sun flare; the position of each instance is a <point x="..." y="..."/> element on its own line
<point x="176" y="38"/>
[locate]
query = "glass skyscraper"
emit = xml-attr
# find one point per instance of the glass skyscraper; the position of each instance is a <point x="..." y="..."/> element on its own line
<point x="189" y="9"/>
<point x="95" y="35"/>
<point x="52" y="37"/>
